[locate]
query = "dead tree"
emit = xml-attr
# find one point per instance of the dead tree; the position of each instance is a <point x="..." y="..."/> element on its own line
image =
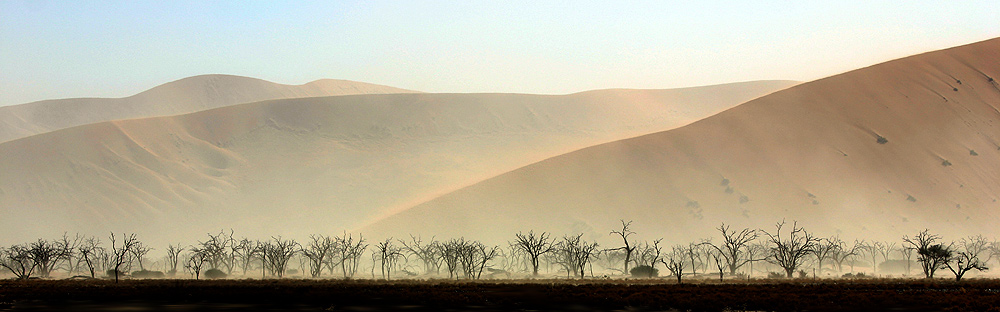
<point x="47" y="255"/>
<point x="245" y="251"/>
<point x="18" y="260"/>
<point x="318" y="251"/>
<point x="907" y="253"/>
<point x="647" y="254"/>
<point x="886" y="250"/>
<point x="388" y="255"/>
<point x="872" y="249"/>
<point x="89" y="249"/>
<point x="842" y="252"/>
<point x="931" y="256"/>
<point x="574" y="254"/>
<point x="196" y="261"/>
<point x="349" y="253"/>
<point x="825" y="249"/>
<point x="733" y="248"/>
<point x="277" y="253"/>
<point x="451" y="253"/>
<point x="533" y="246"/>
<point x="628" y="249"/>
<point x="674" y="261"/>
<point x="219" y="250"/>
<point x="121" y="254"/>
<point x="966" y="256"/>
<point x="427" y="253"/>
<point x="790" y="250"/>
<point x="173" y="258"/>
<point x="139" y="252"/>
<point x="695" y="252"/>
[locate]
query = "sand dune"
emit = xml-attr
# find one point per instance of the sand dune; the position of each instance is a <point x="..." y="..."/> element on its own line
<point x="877" y="152"/>
<point x="183" y="96"/>
<point x="312" y="165"/>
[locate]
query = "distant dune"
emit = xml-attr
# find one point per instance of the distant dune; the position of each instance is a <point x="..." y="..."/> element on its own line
<point x="183" y="96"/>
<point x="874" y="153"/>
<point x="313" y="165"/>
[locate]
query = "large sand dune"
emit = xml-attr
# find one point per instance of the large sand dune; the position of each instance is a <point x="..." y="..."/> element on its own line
<point x="312" y="165"/>
<point x="874" y="153"/>
<point x="178" y="97"/>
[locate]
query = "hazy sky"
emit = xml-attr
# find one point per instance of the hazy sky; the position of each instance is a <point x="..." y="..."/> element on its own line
<point x="59" y="49"/>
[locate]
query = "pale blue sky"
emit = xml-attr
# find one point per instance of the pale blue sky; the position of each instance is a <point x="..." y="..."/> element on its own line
<point x="59" y="49"/>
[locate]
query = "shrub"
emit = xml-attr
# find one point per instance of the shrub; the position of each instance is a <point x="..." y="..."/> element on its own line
<point x="881" y="139"/>
<point x="214" y="274"/>
<point x="111" y="273"/>
<point x="148" y="274"/>
<point x="644" y="271"/>
<point x="775" y="275"/>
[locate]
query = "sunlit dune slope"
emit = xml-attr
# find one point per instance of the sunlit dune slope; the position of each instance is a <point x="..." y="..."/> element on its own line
<point x="312" y="165"/>
<point x="874" y="153"/>
<point x="183" y="96"/>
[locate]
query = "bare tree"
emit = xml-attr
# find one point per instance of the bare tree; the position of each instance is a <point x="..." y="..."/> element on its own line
<point x="647" y="254"/>
<point x="872" y="249"/>
<point x="277" y="253"/>
<point x="886" y="249"/>
<point x="427" y="253"/>
<point x="931" y="256"/>
<point x="574" y="254"/>
<point x="196" y="261"/>
<point x="624" y="233"/>
<point x="173" y="257"/>
<point x="451" y="253"/>
<point x="47" y="255"/>
<point x="533" y="246"/>
<point x="318" y="251"/>
<point x="388" y="255"/>
<point x="245" y="251"/>
<point x="907" y="253"/>
<point x="966" y="257"/>
<point x="121" y="254"/>
<point x="219" y="250"/>
<point x="733" y="249"/>
<point x="695" y="253"/>
<point x="18" y="260"/>
<point x="89" y="248"/>
<point x="140" y="251"/>
<point x="788" y="252"/>
<point x="674" y="261"/>
<point x="826" y="248"/>
<point x="349" y="253"/>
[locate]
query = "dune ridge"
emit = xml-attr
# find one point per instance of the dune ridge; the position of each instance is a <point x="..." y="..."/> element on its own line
<point x="873" y="153"/>
<point x="313" y="165"/>
<point x="182" y="96"/>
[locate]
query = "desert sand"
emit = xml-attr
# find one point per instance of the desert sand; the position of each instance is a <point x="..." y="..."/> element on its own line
<point x="302" y="166"/>
<point x="873" y="153"/>
<point x="183" y="96"/>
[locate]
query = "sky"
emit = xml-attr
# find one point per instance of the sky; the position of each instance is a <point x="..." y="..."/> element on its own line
<point x="64" y="49"/>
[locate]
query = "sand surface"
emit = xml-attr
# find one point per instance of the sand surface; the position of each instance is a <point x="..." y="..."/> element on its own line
<point x="183" y="96"/>
<point x="295" y="167"/>
<point x="810" y="153"/>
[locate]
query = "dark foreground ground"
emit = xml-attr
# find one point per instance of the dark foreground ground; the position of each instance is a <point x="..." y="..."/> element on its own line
<point x="548" y="295"/>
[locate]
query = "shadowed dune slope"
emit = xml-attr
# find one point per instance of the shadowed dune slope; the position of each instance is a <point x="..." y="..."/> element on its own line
<point x="313" y="165"/>
<point x="877" y="152"/>
<point x="183" y="96"/>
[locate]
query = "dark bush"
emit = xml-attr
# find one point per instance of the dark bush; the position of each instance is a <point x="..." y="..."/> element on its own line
<point x="148" y="274"/>
<point x="214" y="274"/>
<point x="881" y="140"/>
<point x="644" y="271"/>
<point x="775" y="275"/>
<point x="111" y="273"/>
